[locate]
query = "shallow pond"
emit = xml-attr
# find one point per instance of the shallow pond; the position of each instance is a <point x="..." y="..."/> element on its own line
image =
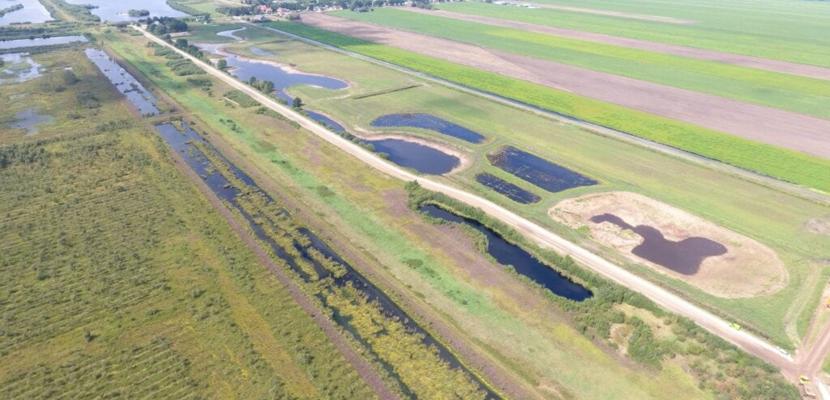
<point x="245" y="69"/>
<point x="506" y="188"/>
<point x="422" y="158"/>
<point x="116" y="10"/>
<point x="136" y="94"/>
<point x="524" y="263"/>
<point x="36" y="42"/>
<point x="32" y="11"/>
<point x="29" y="119"/>
<point x="430" y="122"/>
<point x="683" y="257"/>
<point x="537" y="170"/>
<point x="183" y="141"/>
<point x="18" y="67"/>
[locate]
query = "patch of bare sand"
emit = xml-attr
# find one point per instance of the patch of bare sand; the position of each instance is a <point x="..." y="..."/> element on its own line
<point x="819" y="226"/>
<point x="747" y="269"/>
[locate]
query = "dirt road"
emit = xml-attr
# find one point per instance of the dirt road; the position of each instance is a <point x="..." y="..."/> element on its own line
<point x="809" y="71"/>
<point x="670" y="301"/>
<point x="758" y="123"/>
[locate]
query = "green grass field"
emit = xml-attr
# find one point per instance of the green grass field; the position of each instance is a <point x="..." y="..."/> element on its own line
<point x="789" y="31"/>
<point x="771" y="217"/>
<point x="787" y="92"/>
<point x="119" y="279"/>
<point x="769" y="160"/>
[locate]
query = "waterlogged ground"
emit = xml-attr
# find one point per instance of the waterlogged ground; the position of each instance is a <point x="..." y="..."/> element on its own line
<point x="18" y="68"/>
<point x="28" y="120"/>
<point x="37" y="42"/>
<point x="136" y="94"/>
<point x="537" y="170"/>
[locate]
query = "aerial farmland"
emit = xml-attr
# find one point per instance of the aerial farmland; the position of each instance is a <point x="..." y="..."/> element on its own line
<point x="549" y="199"/>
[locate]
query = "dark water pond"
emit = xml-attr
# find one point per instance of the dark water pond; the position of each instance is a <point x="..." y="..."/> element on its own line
<point x="524" y="263"/>
<point x="183" y="143"/>
<point x="32" y="11"/>
<point x="282" y="79"/>
<point x="117" y="10"/>
<point x="537" y="170"/>
<point x="422" y="158"/>
<point x="36" y="42"/>
<point x="136" y="94"/>
<point x="325" y="121"/>
<point x="18" y="67"/>
<point x="29" y="119"/>
<point x="430" y="122"/>
<point x="683" y="257"/>
<point x="506" y="188"/>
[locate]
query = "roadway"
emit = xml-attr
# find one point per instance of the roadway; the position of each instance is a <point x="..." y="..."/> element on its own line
<point x="671" y="302"/>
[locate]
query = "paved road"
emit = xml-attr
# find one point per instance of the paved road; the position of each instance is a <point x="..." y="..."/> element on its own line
<point x="666" y="299"/>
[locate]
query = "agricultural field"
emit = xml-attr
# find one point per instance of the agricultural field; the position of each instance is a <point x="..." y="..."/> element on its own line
<point x="119" y="279"/>
<point x="768" y="160"/>
<point x="777" y="90"/>
<point x="788" y="31"/>
<point x="725" y="201"/>
<point x="433" y="269"/>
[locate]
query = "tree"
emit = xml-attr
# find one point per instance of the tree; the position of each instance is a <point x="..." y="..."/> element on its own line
<point x="222" y="64"/>
<point x="297" y="103"/>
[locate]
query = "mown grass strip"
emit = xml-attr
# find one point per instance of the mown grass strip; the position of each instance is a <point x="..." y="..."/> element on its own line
<point x="769" y="160"/>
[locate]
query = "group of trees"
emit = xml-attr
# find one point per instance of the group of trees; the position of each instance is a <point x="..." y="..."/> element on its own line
<point x="302" y="5"/>
<point x="11" y="9"/>
<point x="165" y="25"/>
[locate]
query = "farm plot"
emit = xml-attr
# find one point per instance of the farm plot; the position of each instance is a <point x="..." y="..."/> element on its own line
<point x="506" y="56"/>
<point x="770" y="29"/>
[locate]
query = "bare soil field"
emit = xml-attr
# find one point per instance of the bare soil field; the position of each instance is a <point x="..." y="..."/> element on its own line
<point x="809" y="71"/>
<point x="763" y="124"/>
<point x="819" y="226"/>
<point x="746" y="269"/>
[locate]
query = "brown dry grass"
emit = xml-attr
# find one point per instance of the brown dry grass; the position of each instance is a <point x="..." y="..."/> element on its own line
<point x="748" y="268"/>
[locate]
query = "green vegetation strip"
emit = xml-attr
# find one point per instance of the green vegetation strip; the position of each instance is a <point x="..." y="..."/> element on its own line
<point x="765" y="159"/>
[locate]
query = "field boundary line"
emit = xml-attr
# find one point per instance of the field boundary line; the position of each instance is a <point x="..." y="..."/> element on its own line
<point x="802" y="192"/>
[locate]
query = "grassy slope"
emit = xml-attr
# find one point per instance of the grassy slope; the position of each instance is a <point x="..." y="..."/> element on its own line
<point x="106" y="237"/>
<point x="789" y="31"/>
<point x="784" y="164"/>
<point x="336" y="187"/>
<point x="787" y="92"/>
<point x="766" y="215"/>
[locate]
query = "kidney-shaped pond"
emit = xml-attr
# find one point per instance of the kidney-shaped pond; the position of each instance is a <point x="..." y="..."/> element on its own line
<point x="524" y="263"/>
<point x="430" y="122"/>
<point x="684" y="256"/>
